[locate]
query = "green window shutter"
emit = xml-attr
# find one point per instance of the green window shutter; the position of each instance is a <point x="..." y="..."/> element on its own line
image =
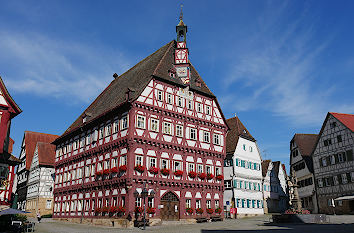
<point x="349" y="155"/>
<point x="236" y="162"/>
<point x="235" y="183"/>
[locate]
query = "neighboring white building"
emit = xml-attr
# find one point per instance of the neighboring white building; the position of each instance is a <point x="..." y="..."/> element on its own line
<point x="275" y="194"/>
<point x="242" y="171"/>
<point x="301" y="147"/>
<point x="40" y="182"/>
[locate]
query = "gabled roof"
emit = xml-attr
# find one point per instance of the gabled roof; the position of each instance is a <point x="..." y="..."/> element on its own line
<point x="276" y="166"/>
<point x="237" y="129"/>
<point x="305" y="143"/>
<point x="31" y="140"/>
<point x="46" y="153"/>
<point x="157" y="66"/>
<point x="265" y="166"/>
<point x="13" y="107"/>
<point x="346" y="119"/>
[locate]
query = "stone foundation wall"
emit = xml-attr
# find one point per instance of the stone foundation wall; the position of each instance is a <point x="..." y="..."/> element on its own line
<point x="33" y="205"/>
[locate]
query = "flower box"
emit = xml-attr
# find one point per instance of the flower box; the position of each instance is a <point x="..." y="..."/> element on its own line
<point x="210" y="210"/>
<point x="202" y="176"/>
<point x="139" y="168"/>
<point x="138" y="210"/>
<point x="154" y="170"/>
<point x="105" y="209"/>
<point x="151" y="210"/>
<point x="178" y="173"/>
<point x="210" y="176"/>
<point x="113" y="209"/>
<point x="99" y="173"/>
<point x="114" y="170"/>
<point x="219" y="177"/>
<point x="121" y="209"/>
<point x="165" y="171"/>
<point x="192" y="174"/>
<point x="190" y="210"/>
<point x="98" y="210"/>
<point x="199" y="210"/>
<point x="218" y="210"/>
<point x="123" y="168"/>
<point x="106" y="171"/>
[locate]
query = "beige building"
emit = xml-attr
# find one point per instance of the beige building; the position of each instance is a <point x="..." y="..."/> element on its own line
<point x="41" y="180"/>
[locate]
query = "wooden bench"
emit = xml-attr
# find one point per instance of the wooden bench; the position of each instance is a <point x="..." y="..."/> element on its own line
<point x="200" y="220"/>
<point x="216" y="218"/>
<point x="140" y="223"/>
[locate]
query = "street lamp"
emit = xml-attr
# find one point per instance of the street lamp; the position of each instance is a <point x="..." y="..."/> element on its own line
<point x="144" y="194"/>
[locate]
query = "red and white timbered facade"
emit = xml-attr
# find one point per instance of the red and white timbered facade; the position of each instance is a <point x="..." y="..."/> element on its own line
<point x="171" y="137"/>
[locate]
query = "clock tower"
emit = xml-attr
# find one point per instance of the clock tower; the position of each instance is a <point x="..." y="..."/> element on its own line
<point x="181" y="52"/>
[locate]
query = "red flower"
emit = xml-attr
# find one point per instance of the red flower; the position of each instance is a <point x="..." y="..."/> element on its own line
<point x="190" y="210"/>
<point x="139" y="168"/>
<point x="165" y="171"/>
<point x="202" y="176"/>
<point x="114" y="170"/>
<point x="113" y="209"/>
<point x="199" y="210"/>
<point x="106" y="171"/>
<point x="192" y="174"/>
<point x="210" y="210"/>
<point x="219" y="177"/>
<point x="98" y="210"/>
<point x="154" y="170"/>
<point x="218" y="210"/>
<point x="121" y="209"/>
<point x="123" y="168"/>
<point x="210" y="176"/>
<point x="151" y="210"/>
<point x="99" y="173"/>
<point x="105" y="209"/>
<point x="178" y="173"/>
<point x="138" y="210"/>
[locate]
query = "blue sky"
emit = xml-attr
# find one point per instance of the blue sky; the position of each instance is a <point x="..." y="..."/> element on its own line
<point x="279" y="65"/>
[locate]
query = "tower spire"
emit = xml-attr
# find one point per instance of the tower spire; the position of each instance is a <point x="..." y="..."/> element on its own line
<point x="181" y="14"/>
<point x="181" y="28"/>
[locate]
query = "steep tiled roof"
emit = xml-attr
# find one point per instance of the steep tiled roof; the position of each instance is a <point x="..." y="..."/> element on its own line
<point x="31" y="140"/>
<point x="157" y="65"/>
<point x="237" y="129"/>
<point x="305" y="143"/>
<point x="14" y="108"/>
<point x="265" y="166"/>
<point x="346" y="119"/>
<point x="46" y="153"/>
<point x="276" y="165"/>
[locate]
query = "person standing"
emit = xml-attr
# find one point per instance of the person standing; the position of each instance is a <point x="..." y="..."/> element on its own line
<point x="39" y="217"/>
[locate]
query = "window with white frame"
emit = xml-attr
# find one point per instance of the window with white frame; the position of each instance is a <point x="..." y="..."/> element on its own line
<point x="208" y="169"/>
<point x="114" y="162"/>
<point x="167" y="128"/>
<point x="188" y="203"/>
<point x="179" y="130"/>
<point x="108" y="130"/>
<point x="101" y="133"/>
<point x="207" y="110"/>
<point x="217" y="171"/>
<point x="193" y="134"/>
<point x="216" y="139"/>
<point x="93" y="169"/>
<point x="99" y="166"/>
<point x="199" y="107"/>
<point x="82" y="142"/>
<point x="115" y="127"/>
<point x="320" y="183"/>
<point x="154" y="125"/>
<point x="200" y="168"/>
<point x="123" y="160"/>
<point x="324" y="162"/>
<point x="206" y="136"/>
<point x="73" y="174"/>
<point x="138" y="202"/>
<point x="138" y="160"/>
<point x="169" y="99"/>
<point x="164" y="164"/>
<point x="140" y="122"/>
<point x="208" y="203"/>
<point x="87" y="171"/>
<point x="177" y="165"/>
<point x="88" y="139"/>
<point x="335" y="180"/>
<point x="341" y="157"/>
<point x="344" y="178"/>
<point x="150" y="202"/>
<point x="152" y="162"/>
<point x="124" y="122"/>
<point x="198" y="203"/>
<point x="217" y="204"/>
<point x="190" y="167"/>
<point x="180" y="102"/>
<point x="159" y="95"/>
<point x="190" y="105"/>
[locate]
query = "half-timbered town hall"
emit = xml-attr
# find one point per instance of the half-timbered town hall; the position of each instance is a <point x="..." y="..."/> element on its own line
<point x="156" y="126"/>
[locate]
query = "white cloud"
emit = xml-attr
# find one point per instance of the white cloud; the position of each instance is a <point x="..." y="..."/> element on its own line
<point x="278" y="71"/>
<point x="50" y="67"/>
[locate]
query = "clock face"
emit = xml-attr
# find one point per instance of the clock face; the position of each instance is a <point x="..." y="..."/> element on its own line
<point x="181" y="71"/>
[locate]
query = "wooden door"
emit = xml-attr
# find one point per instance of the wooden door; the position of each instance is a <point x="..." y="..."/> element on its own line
<point x="170" y="209"/>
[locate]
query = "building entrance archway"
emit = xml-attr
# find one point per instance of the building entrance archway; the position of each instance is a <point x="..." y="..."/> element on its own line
<point x="170" y="209"/>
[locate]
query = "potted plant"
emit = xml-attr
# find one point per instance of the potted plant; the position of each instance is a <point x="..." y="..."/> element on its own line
<point x="138" y="210"/>
<point x="165" y="171"/>
<point x="190" y="210"/>
<point x="199" y="210"/>
<point x="114" y="170"/>
<point x="202" y="176"/>
<point x="210" y="176"/>
<point x="218" y="210"/>
<point x="219" y="177"/>
<point x="123" y="168"/>
<point x="210" y="210"/>
<point x="192" y="174"/>
<point x="178" y="173"/>
<point x="154" y="170"/>
<point x="139" y="168"/>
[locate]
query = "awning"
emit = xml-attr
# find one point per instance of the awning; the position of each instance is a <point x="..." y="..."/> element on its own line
<point x="344" y="198"/>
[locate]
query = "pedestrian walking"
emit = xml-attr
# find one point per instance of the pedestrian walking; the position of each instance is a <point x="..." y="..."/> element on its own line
<point x="39" y="217"/>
